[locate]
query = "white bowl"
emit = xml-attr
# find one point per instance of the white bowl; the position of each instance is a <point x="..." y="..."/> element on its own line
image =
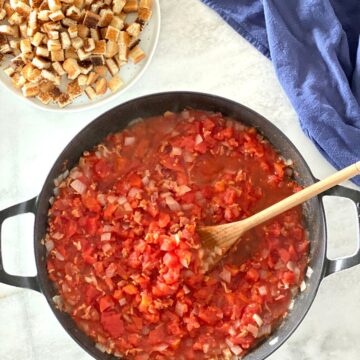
<point x="130" y="73"/>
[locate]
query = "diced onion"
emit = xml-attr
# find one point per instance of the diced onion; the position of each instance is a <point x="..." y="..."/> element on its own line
<point x="264" y="330"/>
<point x="74" y="174"/>
<point x="145" y="180"/>
<point x="180" y="308"/>
<point x="122" y="301"/>
<point x="226" y="275"/>
<point x="122" y="200"/>
<point x="172" y="204"/>
<point x="253" y="330"/>
<point x="262" y="290"/>
<point x="198" y="139"/>
<point x="176" y="151"/>
<point x="235" y="349"/>
<point x="108" y="228"/>
<point x="49" y="244"/>
<point x="112" y="199"/>
<point x="105" y="236"/>
<point x="302" y="286"/>
<point x="78" y="186"/>
<point x="57" y="236"/>
<point x="134" y="192"/>
<point x="101" y="347"/>
<point x="127" y="207"/>
<point x="182" y="189"/>
<point x="186" y="290"/>
<point x="59" y="256"/>
<point x="101" y="199"/>
<point x="160" y="347"/>
<point x="309" y="272"/>
<point x="258" y="319"/>
<point x="129" y="141"/>
<point x="188" y="157"/>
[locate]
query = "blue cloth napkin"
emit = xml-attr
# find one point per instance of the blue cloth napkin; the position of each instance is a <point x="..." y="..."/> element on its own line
<point x="314" y="47"/>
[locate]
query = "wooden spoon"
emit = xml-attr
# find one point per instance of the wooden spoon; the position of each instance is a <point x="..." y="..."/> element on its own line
<point x="218" y="239"/>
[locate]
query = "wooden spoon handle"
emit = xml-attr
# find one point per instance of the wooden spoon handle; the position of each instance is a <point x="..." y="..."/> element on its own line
<point x="301" y="196"/>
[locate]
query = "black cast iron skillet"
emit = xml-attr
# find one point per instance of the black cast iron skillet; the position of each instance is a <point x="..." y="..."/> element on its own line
<point x="117" y="119"/>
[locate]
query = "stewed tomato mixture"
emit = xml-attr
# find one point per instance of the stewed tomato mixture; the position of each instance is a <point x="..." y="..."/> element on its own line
<point x="124" y="254"/>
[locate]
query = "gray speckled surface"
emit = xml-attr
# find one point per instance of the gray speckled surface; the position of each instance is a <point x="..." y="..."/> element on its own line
<point x="197" y="51"/>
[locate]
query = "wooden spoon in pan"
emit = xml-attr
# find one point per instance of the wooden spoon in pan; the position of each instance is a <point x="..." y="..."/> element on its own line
<point x="223" y="237"/>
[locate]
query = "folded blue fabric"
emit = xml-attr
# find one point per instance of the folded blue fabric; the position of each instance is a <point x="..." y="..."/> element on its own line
<point x="314" y="47"/>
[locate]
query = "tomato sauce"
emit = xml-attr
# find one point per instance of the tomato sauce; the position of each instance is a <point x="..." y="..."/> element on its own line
<point x="124" y="254"/>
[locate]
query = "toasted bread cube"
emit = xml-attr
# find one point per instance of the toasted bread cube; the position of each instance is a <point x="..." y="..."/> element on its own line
<point x="58" y="68"/>
<point x="65" y="40"/>
<point x="118" y="5"/>
<point x="57" y="55"/>
<point x="17" y="61"/>
<point x="48" y="75"/>
<point x="92" y="78"/>
<point x="82" y="54"/>
<point x="9" y="71"/>
<point x="43" y="15"/>
<point x="2" y="14"/>
<point x="54" y="91"/>
<point x="72" y="68"/>
<point x="130" y="6"/>
<point x="22" y="9"/>
<point x="77" y="43"/>
<point x="3" y="40"/>
<point x="23" y="30"/>
<point x="40" y="63"/>
<point x="71" y="53"/>
<point x="112" y="48"/>
<point x="91" y="20"/>
<point x="94" y="33"/>
<point x="25" y="46"/>
<point x="42" y="51"/>
<point x="96" y="6"/>
<point x="73" y="13"/>
<point x="97" y="60"/>
<point x="102" y="32"/>
<point x="9" y="30"/>
<point x="46" y="86"/>
<point x="134" y="30"/>
<point x="89" y="45"/>
<point x="101" y="70"/>
<point x="67" y="22"/>
<point x="51" y="26"/>
<point x="115" y="83"/>
<point x="136" y="54"/>
<point x="73" y="89"/>
<point x="14" y="44"/>
<point x="83" y="31"/>
<point x="112" y="33"/>
<point x="117" y="23"/>
<point x="5" y="49"/>
<point x="82" y="79"/>
<point x="57" y="15"/>
<point x="27" y="71"/>
<point x="15" y="19"/>
<point x="85" y="66"/>
<point x="124" y="38"/>
<point x="106" y="16"/>
<point x="79" y="3"/>
<point x="54" y="35"/>
<point x="53" y="45"/>
<point x="145" y="4"/>
<point x="111" y="65"/>
<point x="54" y="5"/>
<point x="18" y="80"/>
<point x="32" y="19"/>
<point x="73" y="31"/>
<point x="8" y="9"/>
<point x="70" y="2"/>
<point x="37" y="38"/>
<point x="90" y="92"/>
<point x="30" y="89"/>
<point x="144" y="15"/>
<point x="64" y="100"/>
<point x="100" y="47"/>
<point x="123" y="53"/>
<point x="44" y="97"/>
<point x="101" y="86"/>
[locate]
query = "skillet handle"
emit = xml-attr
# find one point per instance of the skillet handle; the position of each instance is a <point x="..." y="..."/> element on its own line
<point x="29" y="282"/>
<point x="339" y="264"/>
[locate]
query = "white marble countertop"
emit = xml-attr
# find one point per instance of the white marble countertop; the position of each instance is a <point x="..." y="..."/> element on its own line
<point x="197" y="51"/>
